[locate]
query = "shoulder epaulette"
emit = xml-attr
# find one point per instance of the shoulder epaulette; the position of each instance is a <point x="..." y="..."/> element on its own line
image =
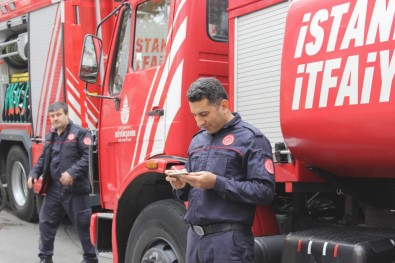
<point x="253" y="129"/>
<point x="200" y="131"/>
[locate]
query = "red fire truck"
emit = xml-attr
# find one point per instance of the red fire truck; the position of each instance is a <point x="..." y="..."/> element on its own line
<point x="316" y="77"/>
<point x="158" y="48"/>
<point x="151" y="52"/>
<point x="40" y="49"/>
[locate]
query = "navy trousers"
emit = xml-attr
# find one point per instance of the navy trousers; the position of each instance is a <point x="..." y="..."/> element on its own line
<point x="58" y="202"/>
<point x="223" y="247"/>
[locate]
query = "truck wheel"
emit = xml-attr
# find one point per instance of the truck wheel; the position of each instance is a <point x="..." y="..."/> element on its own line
<point x="21" y="198"/>
<point x="159" y="234"/>
<point x="3" y="197"/>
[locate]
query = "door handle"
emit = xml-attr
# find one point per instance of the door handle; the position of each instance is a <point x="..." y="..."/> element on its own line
<point x="159" y="112"/>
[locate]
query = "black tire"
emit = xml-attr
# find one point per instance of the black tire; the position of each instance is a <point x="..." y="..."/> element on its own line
<point x="21" y="198"/>
<point x="159" y="234"/>
<point x="3" y="196"/>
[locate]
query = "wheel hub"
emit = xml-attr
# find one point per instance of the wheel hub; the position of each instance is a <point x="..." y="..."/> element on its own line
<point x="159" y="253"/>
<point x="19" y="185"/>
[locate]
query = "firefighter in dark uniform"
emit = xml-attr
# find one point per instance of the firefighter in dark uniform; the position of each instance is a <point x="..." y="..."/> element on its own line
<point x="230" y="171"/>
<point x="64" y="167"/>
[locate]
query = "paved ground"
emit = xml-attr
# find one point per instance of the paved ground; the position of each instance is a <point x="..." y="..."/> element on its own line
<point x="19" y="241"/>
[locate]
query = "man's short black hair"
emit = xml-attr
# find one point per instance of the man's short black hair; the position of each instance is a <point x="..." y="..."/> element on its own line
<point x="58" y="105"/>
<point x="207" y="88"/>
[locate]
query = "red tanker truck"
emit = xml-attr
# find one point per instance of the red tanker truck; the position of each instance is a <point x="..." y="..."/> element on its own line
<point x="316" y="77"/>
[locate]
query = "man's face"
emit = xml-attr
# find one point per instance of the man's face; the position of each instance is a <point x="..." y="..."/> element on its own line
<point x="59" y="119"/>
<point x="209" y="117"/>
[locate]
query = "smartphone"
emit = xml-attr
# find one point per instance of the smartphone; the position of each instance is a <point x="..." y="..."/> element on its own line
<point x="177" y="174"/>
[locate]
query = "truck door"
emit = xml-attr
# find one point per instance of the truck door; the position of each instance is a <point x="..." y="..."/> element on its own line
<point x="132" y="125"/>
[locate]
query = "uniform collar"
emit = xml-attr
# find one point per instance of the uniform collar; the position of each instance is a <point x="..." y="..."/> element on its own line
<point x="236" y="119"/>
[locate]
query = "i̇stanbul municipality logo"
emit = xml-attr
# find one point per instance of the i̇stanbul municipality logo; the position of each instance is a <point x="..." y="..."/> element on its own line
<point x="125" y="111"/>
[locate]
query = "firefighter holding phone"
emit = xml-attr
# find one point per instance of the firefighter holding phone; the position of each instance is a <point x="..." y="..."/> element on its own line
<point x="228" y="172"/>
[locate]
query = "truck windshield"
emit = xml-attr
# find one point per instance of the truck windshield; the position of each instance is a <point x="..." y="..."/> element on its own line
<point x="152" y="24"/>
<point x="217" y="19"/>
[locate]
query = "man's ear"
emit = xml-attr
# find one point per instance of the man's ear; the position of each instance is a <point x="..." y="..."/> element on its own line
<point x="225" y="105"/>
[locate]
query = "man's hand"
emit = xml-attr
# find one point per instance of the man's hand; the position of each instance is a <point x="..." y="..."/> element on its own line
<point x="204" y="180"/>
<point x="66" y="179"/>
<point x="176" y="182"/>
<point x="30" y="181"/>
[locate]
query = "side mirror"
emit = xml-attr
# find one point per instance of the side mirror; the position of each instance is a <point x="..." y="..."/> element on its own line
<point x="90" y="60"/>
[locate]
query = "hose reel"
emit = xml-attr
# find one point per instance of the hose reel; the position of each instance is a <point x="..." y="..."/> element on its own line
<point x="15" y="51"/>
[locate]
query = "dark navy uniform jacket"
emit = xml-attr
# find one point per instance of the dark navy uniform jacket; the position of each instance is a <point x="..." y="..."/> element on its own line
<point x="241" y="157"/>
<point x="73" y="158"/>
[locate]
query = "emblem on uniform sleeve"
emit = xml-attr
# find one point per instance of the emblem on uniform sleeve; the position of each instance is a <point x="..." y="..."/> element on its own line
<point x="87" y="141"/>
<point x="269" y="166"/>
<point x="71" y="137"/>
<point x="228" y="139"/>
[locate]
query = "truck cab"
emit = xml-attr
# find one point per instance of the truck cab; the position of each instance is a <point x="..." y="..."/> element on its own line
<point x="158" y="48"/>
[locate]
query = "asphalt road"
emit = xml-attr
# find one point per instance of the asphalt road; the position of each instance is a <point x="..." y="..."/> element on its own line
<point x="19" y="242"/>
